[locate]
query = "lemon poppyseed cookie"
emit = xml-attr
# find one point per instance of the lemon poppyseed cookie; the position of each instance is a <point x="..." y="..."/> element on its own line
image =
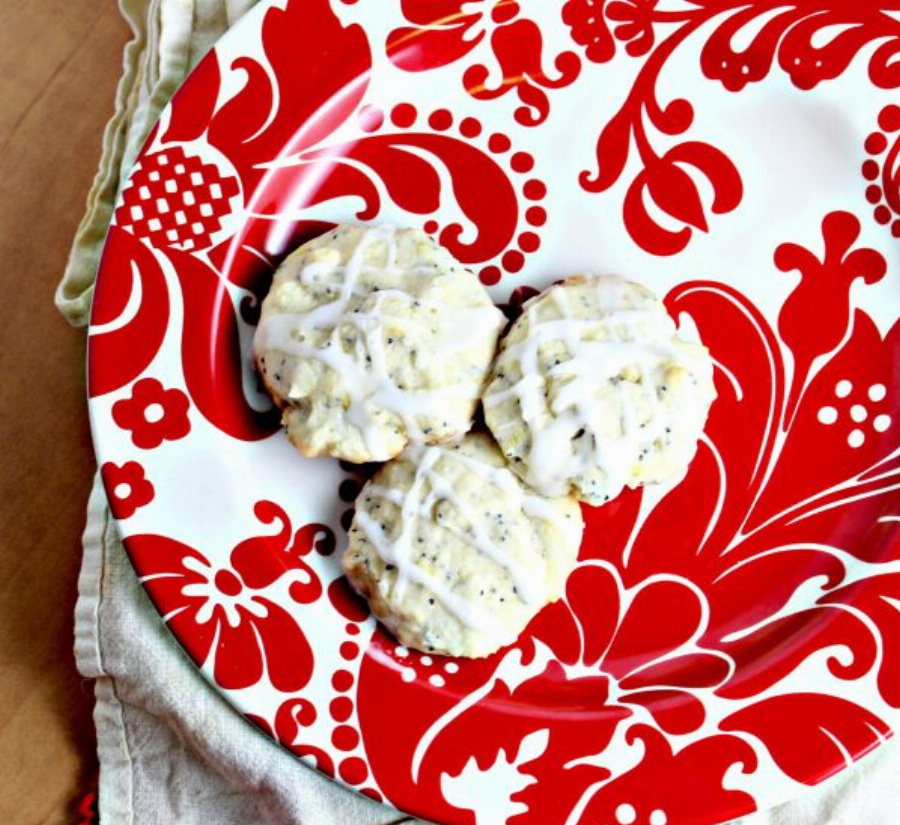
<point x="371" y="338"/>
<point x="454" y="553"/>
<point x="592" y="391"/>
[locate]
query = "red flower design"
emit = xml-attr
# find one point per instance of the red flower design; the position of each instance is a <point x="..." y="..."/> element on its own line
<point x="586" y="664"/>
<point x="153" y="414"/>
<point x="221" y="613"/>
<point x="672" y="614"/>
<point x="127" y="488"/>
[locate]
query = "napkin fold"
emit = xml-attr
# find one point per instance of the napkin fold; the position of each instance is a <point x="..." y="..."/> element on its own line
<point x="172" y="751"/>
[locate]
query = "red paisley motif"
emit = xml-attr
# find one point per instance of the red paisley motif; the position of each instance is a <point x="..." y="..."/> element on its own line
<point x="402" y="160"/>
<point x="484" y="193"/>
<point x="222" y="615"/>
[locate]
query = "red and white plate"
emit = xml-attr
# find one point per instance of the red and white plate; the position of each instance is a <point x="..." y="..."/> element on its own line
<point x="724" y="642"/>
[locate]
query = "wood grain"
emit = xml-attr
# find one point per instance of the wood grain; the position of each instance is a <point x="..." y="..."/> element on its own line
<point x="59" y="65"/>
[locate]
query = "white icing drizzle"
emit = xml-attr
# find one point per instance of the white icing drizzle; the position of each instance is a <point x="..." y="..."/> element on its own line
<point x="561" y="407"/>
<point x="429" y="488"/>
<point x="364" y="371"/>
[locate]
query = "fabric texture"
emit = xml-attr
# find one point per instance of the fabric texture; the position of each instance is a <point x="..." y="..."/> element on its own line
<point x="172" y="751"/>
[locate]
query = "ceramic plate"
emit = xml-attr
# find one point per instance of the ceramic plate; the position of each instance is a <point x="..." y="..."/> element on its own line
<point x="724" y="642"/>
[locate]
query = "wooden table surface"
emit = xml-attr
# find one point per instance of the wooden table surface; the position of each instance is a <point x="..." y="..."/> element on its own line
<point x="59" y="65"/>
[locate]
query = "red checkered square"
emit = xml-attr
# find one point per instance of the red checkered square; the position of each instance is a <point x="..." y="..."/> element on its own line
<point x="176" y="200"/>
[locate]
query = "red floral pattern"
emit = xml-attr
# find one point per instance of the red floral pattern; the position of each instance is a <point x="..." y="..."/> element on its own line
<point x="153" y="414"/>
<point x="790" y="32"/>
<point x="127" y="488"/>
<point x="447" y="31"/>
<point x="222" y="612"/>
<point x="782" y="536"/>
<point x="605" y="656"/>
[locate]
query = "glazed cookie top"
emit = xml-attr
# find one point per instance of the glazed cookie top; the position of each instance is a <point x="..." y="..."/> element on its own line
<point x="373" y="337"/>
<point x="592" y="391"/>
<point x="454" y="552"/>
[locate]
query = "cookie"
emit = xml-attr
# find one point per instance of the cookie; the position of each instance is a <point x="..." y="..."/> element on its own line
<point x="454" y="553"/>
<point x="592" y="391"/>
<point x="371" y="338"/>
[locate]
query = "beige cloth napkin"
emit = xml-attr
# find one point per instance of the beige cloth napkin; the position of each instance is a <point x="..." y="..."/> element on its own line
<point x="172" y="751"/>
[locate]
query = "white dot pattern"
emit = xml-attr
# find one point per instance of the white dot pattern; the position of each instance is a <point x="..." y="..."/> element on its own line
<point x="859" y="413"/>
<point x="626" y="814"/>
<point x="843" y="388"/>
<point x="154" y="412"/>
<point x="881" y="423"/>
<point x="658" y="817"/>
<point x="856" y="439"/>
<point x="408" y="674"/>
<point x="437" y="680"/>
<point x="877" y="392"/>
<point x="828" y="415"/>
